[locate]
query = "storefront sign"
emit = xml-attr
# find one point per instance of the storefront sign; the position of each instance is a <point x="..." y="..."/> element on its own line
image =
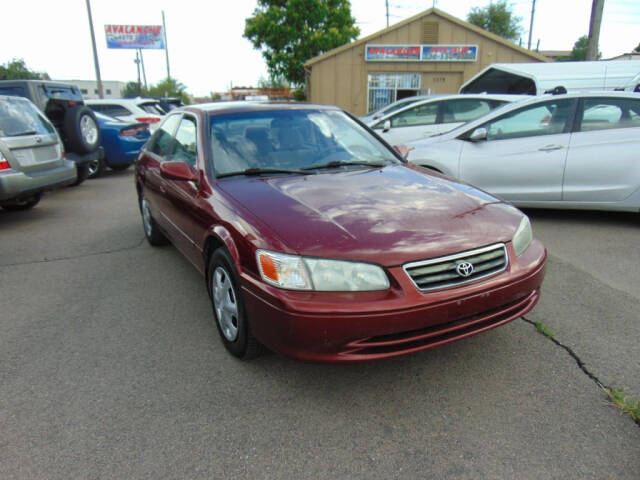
<point x="421" y="53"/>
<point x="449" y="53"/>
<point x="134" y="36"/>
<point x="387" y="53"/>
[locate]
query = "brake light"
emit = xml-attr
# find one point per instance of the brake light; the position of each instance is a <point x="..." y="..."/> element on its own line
<point x="148" y="119"/>
<point x="4" y="164"/>
<point x="133" y="131"/>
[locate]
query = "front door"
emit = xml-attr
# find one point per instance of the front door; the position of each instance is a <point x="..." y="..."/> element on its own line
<point x="523" y="157"/>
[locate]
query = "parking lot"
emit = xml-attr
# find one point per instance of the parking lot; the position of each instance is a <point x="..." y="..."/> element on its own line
<point x="111" y="367"/>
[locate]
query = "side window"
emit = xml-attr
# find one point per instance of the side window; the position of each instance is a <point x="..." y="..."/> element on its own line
<point x="419" y="115"/>
<point x="541" y="119"/>
<point x="606" y="113"/>
<point x="185" y="148"/>
<point x="162" y="140"/>
<point x="466" y="110"/>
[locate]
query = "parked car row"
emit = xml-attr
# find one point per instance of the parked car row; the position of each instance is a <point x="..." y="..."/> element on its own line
<point x="49" y="139"/>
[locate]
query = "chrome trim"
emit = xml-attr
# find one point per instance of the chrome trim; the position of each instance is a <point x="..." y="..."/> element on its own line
<point x="455" y="256"/>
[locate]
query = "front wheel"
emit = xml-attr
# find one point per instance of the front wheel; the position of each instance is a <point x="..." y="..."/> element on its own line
<point x="228" y="307"/>
<point x="154" y="236"/>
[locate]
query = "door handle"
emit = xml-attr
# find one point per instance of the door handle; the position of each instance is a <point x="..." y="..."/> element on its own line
<point x="550" y="148"/>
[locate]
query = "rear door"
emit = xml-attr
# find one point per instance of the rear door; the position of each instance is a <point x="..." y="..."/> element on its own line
<point x="523" y="157"/>
<point x="604" y="154"/>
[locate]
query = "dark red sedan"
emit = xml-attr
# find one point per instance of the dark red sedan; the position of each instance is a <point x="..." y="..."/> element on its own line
<point x="320" y="242"/>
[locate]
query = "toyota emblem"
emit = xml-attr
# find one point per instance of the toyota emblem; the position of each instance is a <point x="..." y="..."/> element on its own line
<point x="464" y="269"/>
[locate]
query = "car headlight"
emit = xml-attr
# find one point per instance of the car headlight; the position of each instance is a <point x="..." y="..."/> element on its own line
<point x="322" y="275"/>
<point x="523" y="236"/>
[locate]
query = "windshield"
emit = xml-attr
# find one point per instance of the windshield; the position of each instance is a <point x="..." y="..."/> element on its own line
<point x="292" y="139"/>
<point x="20" y="117"/>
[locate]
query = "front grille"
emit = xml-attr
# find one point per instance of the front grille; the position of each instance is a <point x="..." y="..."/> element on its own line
<point x="452" y="270"/>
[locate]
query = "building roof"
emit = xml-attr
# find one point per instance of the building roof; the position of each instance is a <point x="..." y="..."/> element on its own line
<point x="426" y="13"/>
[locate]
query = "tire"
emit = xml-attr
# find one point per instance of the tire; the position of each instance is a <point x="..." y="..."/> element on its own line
<point x="154" y="236"/>
<point x="22" y="204"/>
<point x="97" y="168"/>
<point x="228" y="307"/>
<point x="83" y="174"/>
<point x="81" y="129"/>
<point x="120" y="168"/>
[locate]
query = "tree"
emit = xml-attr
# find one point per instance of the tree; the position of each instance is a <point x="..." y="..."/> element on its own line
<point x="290" y="32"/>
<point x="16" y="69"/>
<point x="169" y="87"/>
<point x="497" y="18"/>
<point x="637" y="49"/>
<point x="579" y="51"/>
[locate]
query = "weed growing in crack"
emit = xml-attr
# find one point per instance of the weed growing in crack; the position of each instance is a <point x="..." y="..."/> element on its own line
<point x="624" y="402"/>
<point x="544" y="330"/>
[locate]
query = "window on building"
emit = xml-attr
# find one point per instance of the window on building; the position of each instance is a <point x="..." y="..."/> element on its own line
<point x="386" y="88"/>
<point x="95" y="90"/>
<point x="108" y="91"/>
<point x="84" y="90"/>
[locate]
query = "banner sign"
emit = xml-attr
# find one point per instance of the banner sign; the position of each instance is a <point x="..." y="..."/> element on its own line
<point x="385" y="53"/>
<point x="449" y="53"/>
<point x="134" y="36"/>
<point x="421" y="53"/>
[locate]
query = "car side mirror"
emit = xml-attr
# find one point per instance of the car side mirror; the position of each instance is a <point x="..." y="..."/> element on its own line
<point x="178" y="171"/>
<point x="402" y="150"/>
<point x="386" y="126"/>
<point x="478" y="134"/>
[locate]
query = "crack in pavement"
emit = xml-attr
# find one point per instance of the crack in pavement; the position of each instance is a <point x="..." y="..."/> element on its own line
<point x="578" y="360"/>
<point x="84" y="255"/>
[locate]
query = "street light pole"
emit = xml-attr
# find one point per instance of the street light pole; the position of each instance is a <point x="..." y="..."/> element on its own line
<point x="166" y="45"/>
<point x="95" y="52"/>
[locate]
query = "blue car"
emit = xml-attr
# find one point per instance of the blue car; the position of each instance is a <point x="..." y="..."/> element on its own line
<point x="121" y="142"/>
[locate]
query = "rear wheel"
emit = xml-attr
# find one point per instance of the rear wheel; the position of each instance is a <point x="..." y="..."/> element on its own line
<point x="83" y="174"/>
<point x="22" y="204"/>
<point x="97" y="168"/>
<point x="228" y="307"/>
<point x="154" y="236"/>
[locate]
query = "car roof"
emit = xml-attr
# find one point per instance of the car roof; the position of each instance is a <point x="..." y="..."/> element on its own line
<point x="217" y="108"/>
<point x="135" y="101"/>
<point x="531" y="100"/>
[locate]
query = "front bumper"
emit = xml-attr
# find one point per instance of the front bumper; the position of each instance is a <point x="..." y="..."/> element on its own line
<point x="352" y="327"/>
<point x="16" y="184"/>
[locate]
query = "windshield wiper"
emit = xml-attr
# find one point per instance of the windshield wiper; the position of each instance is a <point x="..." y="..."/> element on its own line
<point x="341" y="163"/>
<point x="260" y="171"/>
<point x="22" y="134"/>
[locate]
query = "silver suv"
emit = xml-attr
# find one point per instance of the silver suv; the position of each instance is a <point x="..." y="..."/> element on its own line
<point x="31" y="155"/>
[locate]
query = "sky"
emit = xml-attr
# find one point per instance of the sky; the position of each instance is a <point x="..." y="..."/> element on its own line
<point x="208" y="53"/>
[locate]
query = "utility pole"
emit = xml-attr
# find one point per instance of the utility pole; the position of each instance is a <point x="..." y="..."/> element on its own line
<point x="533" y="11"/>
<point x="166" y="45"/>
<point x="144" y="72"/>
<point x="137" y="60"/>
<point x="594" y="29"/>
<point x="95" y="52"/>
<point x="387" y="4"/>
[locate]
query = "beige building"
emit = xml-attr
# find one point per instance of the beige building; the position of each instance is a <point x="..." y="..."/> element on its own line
<point x="429" y="53"/>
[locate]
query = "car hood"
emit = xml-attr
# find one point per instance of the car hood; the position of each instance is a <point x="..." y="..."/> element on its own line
<point x="387" y="216"/>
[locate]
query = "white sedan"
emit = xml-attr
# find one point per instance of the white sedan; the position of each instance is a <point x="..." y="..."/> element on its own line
<point x="565" y="151"/>
<point x="135" y="110"/>
<point x="436" y="115"/>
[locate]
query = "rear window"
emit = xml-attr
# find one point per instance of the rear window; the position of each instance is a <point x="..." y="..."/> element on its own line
<point x="110" y="110"/>
<point x="20" y="117"/>
<point x="153" y="108"/>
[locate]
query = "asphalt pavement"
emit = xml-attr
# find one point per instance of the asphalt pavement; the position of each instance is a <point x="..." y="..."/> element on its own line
<point x="111" y="367"/>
